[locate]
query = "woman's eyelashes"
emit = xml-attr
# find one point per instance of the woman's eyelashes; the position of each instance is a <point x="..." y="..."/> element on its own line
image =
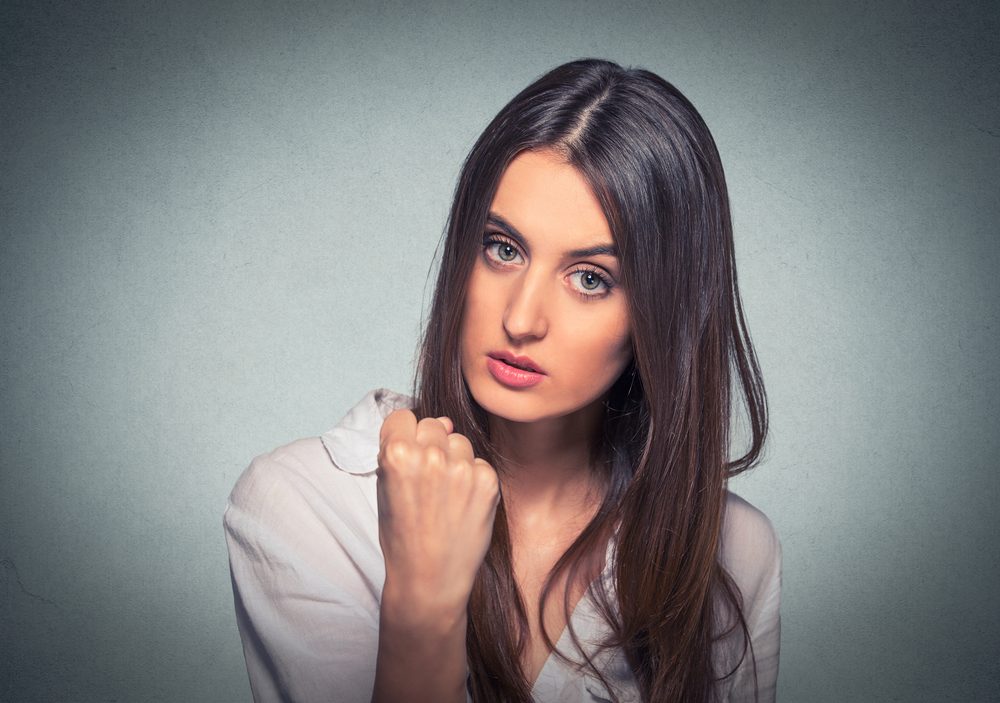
<point x="590" y="278"/>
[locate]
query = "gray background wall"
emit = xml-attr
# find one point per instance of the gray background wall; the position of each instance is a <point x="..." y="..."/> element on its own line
<point x="217" y="224"/>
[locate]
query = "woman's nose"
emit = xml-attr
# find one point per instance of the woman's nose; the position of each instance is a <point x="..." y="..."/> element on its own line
<point x="526" y="315"/>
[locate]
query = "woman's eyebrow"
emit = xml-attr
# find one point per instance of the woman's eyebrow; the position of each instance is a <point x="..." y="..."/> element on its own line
<point x="601" y="249"/>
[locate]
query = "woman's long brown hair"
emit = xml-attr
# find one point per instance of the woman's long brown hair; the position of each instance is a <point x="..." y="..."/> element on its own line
<point x="665" y="449"/>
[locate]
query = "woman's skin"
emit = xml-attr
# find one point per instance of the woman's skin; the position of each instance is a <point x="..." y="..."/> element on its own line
<point x="529" y="296"/>
<point x="436" y="504"/>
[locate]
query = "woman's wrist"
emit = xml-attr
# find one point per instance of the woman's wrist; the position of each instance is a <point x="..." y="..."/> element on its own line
<point x="422" y="650"/>
<point x="405" y="606"/>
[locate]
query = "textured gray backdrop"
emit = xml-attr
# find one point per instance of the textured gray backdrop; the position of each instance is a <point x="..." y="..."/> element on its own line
<point x="217" y="226"/>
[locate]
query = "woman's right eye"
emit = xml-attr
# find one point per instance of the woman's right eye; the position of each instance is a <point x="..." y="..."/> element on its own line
<point x="506" y="250"/>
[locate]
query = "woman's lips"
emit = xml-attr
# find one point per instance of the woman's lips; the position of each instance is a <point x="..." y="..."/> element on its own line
<point x="525" y="363"/>
<point x="512" y="376"/>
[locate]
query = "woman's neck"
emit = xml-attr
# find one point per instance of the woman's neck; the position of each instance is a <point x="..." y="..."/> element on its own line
<point x="547" y="477"/>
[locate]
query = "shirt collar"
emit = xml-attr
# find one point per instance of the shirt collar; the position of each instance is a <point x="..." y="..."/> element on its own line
<point x="354" y="442"/>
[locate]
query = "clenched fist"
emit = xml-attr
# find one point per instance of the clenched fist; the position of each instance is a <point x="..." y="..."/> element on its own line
<point x="436" y="506"/>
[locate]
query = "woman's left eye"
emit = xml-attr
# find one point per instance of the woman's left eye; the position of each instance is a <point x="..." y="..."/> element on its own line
<point x="590" y="279"/>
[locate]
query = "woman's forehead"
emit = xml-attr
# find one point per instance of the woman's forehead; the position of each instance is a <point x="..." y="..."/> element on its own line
<point x="549" y="203"/>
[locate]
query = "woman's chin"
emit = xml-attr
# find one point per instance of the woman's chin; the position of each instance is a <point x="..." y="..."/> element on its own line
<point x="514" y="405"/>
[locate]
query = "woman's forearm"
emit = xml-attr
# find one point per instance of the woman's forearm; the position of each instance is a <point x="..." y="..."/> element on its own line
<point x="421" y="653"/>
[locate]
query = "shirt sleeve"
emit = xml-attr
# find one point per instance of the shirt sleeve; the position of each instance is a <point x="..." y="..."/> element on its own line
<point x="763" y="615"/>
<point x="306" y="610"/>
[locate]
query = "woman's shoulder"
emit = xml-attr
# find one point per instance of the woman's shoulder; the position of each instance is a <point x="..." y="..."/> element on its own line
<point x="318" y="468"/>
<point x="286" y="469"/>
<point x="301" y="527"/>
<point x="751" y="548"/>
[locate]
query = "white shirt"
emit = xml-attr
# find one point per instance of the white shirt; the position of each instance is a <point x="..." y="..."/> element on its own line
<point x="307" y="572"/>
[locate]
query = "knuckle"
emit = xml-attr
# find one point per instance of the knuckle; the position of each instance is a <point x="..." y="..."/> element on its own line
<point x="429" y="422"/>
<point x="395" y="452"/>
<point x="434" y="455"/>
<point x="431" y="429"/>
<point x="459" y="468"/>
<point x="395" y="420"/>
<point x="486" y="476"/>
<point x="460" y="444"/>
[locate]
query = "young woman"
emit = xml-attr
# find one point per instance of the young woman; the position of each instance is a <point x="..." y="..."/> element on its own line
<point x="546" y="516"/>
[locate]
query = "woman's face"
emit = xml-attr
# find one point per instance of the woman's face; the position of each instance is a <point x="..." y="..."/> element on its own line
<point x="534" y="293"/>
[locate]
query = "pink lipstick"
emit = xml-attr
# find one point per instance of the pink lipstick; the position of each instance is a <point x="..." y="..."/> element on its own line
<point x="511" y="375"/>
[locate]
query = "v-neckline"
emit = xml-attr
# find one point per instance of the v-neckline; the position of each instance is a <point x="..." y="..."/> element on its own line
<point x="560" y="644"/>
<point x="585" y="633"/>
